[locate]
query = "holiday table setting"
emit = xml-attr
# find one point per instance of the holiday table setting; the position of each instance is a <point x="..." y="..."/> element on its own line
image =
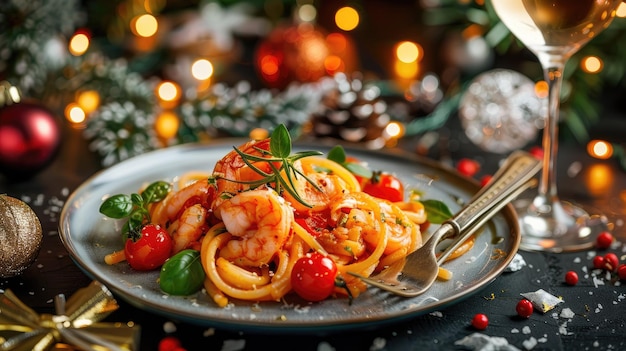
<point x="130" y="107"/>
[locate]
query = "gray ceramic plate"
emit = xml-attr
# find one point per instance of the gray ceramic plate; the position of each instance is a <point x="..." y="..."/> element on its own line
<point x="89" y="236"/>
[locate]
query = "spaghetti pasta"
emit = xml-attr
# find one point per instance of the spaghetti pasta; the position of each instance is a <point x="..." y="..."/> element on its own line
<point x="253" y="230"/>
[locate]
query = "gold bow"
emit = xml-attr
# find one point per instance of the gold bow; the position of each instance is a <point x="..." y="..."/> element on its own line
<point x="75" y="323"/>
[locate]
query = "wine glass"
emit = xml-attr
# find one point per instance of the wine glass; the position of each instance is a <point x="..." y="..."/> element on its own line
<point x="554" y="30"/>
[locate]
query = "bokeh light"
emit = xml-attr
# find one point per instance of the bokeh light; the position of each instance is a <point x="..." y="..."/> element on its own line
<point x="79" y="43"/>
<point x="307" y="13"/>
<point x="591" y="64"/>
<point x="168" y="93"/>
<point x="88" y="100"/>
<point x="600" y="149"/>
<point x="75" y="114"/>
<point x="347" y="18"/>
<point x="202" y="69"/>
<point x="541" y="89"/>
<point x="166" y="125"/>
<point x="408" y="52"/>
<point x="144" y="25"/>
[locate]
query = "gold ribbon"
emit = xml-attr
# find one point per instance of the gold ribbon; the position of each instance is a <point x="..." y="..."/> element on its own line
<point x="74" y="323"/>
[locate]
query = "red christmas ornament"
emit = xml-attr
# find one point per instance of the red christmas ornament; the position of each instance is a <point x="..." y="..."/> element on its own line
<point x="29" y="139"/>
<point x="294" y="53"/>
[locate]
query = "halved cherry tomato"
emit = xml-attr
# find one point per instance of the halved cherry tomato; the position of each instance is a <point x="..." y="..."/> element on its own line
<point x="149" y="251"/>
<point x="313" y="277"/>
<point x="385" y="186"/>
<point x="314" y="223"/>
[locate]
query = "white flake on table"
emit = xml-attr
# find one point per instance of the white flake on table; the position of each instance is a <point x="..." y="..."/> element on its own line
<point x="530" y="343"/>
<point x="567" y="313"/>
<point x="378" y="344"/>
<point x="542" y="300"/>
<point x="516" y="264"/>
<point x="479" y="341"/>
<point x="324" y="346"/>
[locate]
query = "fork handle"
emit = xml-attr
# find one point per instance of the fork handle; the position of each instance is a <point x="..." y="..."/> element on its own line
<point x="515" y="176"/>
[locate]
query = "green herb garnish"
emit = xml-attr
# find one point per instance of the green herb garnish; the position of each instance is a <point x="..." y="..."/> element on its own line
<point x="338" y="154"/>
<point x="436" y="211"/>
<point x="279" y="153"/>
<point x="134" y="207"/>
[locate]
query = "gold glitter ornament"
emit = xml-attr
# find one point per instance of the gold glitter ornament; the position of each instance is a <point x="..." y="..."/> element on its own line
<point x="20" y="236"/>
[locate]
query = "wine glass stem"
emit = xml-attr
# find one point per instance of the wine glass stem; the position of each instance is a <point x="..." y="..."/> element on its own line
<point x="553" y="73"/>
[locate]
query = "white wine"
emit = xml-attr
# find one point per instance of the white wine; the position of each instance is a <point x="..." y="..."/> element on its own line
<point x="556" y="26"/>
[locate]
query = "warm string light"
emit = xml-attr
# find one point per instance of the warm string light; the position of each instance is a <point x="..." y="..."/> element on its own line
<point x="79" y="43"/>
<point x="144" y="25"/>
<point x="347" y="18"/>
<point x="408" y="54"/>
<point x="591" y="64"/>
<point x="600" y="149"/>
<point x="168" y="94"/>
<point x="166" y="125"/>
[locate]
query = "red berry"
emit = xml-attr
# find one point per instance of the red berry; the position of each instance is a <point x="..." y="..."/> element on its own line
<point x="524" y="308"/>
<point x="611" y="261"/>
<point x="536" y="151"/>
<point x="571" y="278"/>
<point x="169" y="343"/>
<point x="480" y="321"/>
<point x="604" y="240"/>
<point x="621" y="271"/>
<point x="485" y="179"/>
<point x="468" y="167"/>
<point x="598" y="262"/>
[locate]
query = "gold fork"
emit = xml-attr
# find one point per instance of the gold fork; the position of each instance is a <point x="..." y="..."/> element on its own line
<point x="420" y="269"/>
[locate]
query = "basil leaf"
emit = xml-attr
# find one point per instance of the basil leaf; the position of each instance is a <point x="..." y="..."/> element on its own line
<point x="280" y="142"/>
<point x="436" y="211"/>
<point x="182" y="274"/>
<point x="337" y="154"/>
<point x="117" y="206"/>
<point x="156" y="192"/>
<point x="137" y="200"/>
<point x="359" y="169"/>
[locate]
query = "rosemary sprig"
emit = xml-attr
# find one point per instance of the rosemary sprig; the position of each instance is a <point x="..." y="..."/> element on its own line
<point x="279" y="153"/>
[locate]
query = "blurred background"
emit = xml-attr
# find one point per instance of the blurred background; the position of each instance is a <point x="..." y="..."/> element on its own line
<point x="132" y="76"/>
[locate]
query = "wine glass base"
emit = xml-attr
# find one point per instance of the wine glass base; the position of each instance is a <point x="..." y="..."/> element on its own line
<point x="559" y="227"/>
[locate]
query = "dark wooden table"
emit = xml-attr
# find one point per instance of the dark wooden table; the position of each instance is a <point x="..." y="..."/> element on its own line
<point x="597" y="301"/>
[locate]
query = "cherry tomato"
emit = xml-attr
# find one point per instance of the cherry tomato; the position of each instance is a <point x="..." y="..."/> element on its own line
<point x="385" y="186"/>
<point x="480" y="321"/>
<point x="313" y="276"/>
<point x="604" y="240"/>
<point x="524" y="308"/>
<point x="468" y="167"/>
<point x="314" y="224"/>
<point x="149" y="251"/>
<point x="571" y="278"/>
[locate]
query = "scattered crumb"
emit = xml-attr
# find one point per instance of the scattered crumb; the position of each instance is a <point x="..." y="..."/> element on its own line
<point x="530" y="343"/>
<point x="378" y="344"/>
<point x="324" y="346"/>
<point x="478" y="341"/>
<point x="169" y="327"/>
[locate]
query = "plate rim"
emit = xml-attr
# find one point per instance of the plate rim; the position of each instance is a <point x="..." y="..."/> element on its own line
<point x="507" y="212"/>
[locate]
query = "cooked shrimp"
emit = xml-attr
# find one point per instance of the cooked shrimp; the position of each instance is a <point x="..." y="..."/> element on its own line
<point x="176" y="202"/>
<point x="188" y="229"/>
<point x="260" y="222"/>
<point x="232" y="171"/>
<point x="329" y="186"/>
